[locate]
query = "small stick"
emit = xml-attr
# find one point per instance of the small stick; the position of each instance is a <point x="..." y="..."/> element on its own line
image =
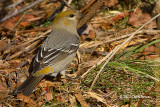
<point x="33" y="30"/>
<point x="28" y="48"/>
<point x="32" y="40"/>
<point x="67" y="4"/>
<point x="122" y="37"/>
<point x="91" y="12"/>
<point x="15" y="4"/>
<point x="16" y="12"/>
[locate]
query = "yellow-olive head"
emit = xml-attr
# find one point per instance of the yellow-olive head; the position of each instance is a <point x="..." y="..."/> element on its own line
<point x="66" y="20"/>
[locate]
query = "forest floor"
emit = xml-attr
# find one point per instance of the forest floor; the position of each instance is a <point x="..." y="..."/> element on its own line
<point x="130" y="78"/>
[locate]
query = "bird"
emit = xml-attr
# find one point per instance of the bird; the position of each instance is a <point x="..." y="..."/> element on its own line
<point x="56" y="52"/>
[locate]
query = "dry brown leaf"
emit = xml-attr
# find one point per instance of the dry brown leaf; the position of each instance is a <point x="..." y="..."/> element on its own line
<point x="49" y="96"/>
<point x="4" y="64"/>
<point x="138" y="18"/>
<point x="2" y="44"/>
<point x="110" y="3"/>
<point x="40" y="104"/>
<point x="120" y="16"/>
<point x="89" y="33"/>
<point x="150" y="49"/>
<point x="80" y="98"/>
<point x="46" y="83"/>
<point x="92" y="34"/>
<point x="2" y="88"/>
<point x="15" y="63"/>
<point x="26" y="99"/>
<point x="96" y="96"/>
<point x="24" y="22"/>
<point x="105" y="21"/>
<point x="50" y="84"/>
<point x="88" y="28"/>
<point x="73" y="101"/>
<point x="61" y="99"/>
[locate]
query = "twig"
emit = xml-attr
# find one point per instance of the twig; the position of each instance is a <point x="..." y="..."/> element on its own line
<point x="90" y="51"/>
<point x="121" y="37"/>
<point x="87" y="6"/>
<point x="93" y="9"/>
<point x="36" y="18"/>
<point x="8" y="45"/>
<point x="20" y="10"/>
<point x="25" y="62"/>
<point x="15" y="4"/>
<point x="59" y="9"/>
<point x="108" y="59"/>
<point x="28" y="48"/>
<point x="32" y="40"/>
<point x="67" y="4"/>
<point x="33" y="30"/>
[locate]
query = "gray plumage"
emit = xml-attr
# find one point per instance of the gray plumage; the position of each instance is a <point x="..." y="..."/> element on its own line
<point x="56" y="53"/>
<point x="63" y="45"/>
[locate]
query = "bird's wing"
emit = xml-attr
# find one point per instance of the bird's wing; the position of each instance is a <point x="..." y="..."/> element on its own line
<point x="46" y="57"/>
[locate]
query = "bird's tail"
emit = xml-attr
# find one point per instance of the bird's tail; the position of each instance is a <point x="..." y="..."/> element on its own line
<point x="28" y="85"/>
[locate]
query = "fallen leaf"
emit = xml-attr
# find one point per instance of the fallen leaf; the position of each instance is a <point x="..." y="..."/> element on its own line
<point x="150" y="49"/>
<point x="15" y="63"/>
<point x="88" y="29"/>
<point x="110" y="3"/>
<point x="80" y="98"/>
<point x="3" y="44"/>
<point x="49" y="96"/>
<point x="24" y="23"/>
<point x="61" y="99"/>
<point x="138" y="18"/>
<point x="26" y="99"/>
<point x="73" y="101"/>
<point x="2" y="87"/>
<point x="119" y="17"/>
<point x="96" y="96"/>
<point x="91" y="35"/>
<point x="105" y="22"/>
<point x="12" y="22"/>
<point x="4" y="64"/>
<point x="40" y="104"/>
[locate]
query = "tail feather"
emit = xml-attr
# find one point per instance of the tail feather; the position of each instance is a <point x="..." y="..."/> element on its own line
<point x="28" y="85"/>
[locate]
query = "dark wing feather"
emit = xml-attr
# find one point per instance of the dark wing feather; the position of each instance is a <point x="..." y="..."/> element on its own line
<point x="49" y="56"/>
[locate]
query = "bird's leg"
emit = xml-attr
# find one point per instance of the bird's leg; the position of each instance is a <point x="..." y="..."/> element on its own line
<point x="70" y="78"/>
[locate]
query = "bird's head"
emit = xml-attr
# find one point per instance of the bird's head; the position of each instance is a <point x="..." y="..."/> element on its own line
<point x="66" y="20"/>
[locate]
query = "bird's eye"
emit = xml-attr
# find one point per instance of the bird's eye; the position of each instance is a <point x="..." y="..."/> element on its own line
<point x="71" y="15"/>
